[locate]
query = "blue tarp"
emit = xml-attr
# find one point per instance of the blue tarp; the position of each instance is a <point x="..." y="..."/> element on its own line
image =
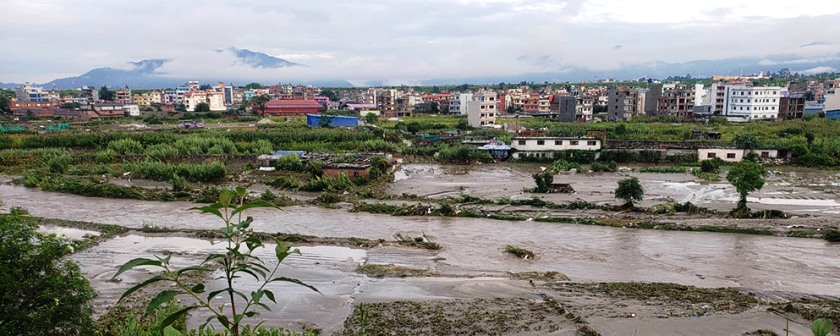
<point x="314" y="120"/>
<point x="284" y="153"/>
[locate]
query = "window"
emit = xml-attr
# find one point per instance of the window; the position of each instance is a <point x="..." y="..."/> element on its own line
<point x="591" y="143"/>
<point x="522" y="142"/>
<point x="730" y="155"/>
<point x="540" y="142"/>
<point x="711" y="155"/>
<point x="765" y="154"/>
<point x="573" y="143"/>
<point x="558" y="142"/>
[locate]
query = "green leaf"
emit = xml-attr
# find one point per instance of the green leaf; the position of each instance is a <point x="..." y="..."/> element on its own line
<point x="270" y="295"/>
<point x="135" y="263"/>
<point x="175" y="316"/>
<point x="213" y="294"/>
<point x="295" y="281"/>
<point x="247" y="271"/>
<point x="821" y="327"/>
<point x="254" y="204"/>
<point x="251" y="314"/>
<point x="191" y="269"/>
<point x="225" y="197"/>
<point x="256" y="296"/>
<point x="241" y="192"/>
<point x="161" y="298"/>
<point x="282" y="249"/>
<point x="143" y="284"/>
<point x="198" y="289"/>
<point x="170" y="331"/>
<point x="211" y="209"/>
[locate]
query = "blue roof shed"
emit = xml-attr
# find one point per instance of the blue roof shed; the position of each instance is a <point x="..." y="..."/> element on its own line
<point x="314" y="120"/>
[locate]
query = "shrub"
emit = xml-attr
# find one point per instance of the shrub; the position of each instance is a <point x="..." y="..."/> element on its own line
<point x="543" y="181"/>
<point x="711" y="166"/>
<point x="598" y="167"/>
<point x="285" y="182"/>
<point x="519" y="252"/>
<point x="289" y="163"/>
<point x="563" y="165"/>
<point x="328" y="183"/>
<point x="42" y="292"/>
<point x="815" y="160"/>
<point x="126" y="146"/>
<point x="462" y="154"/>
<point x="59" y="164"/>
<point x="629" y="190"/>
<point x="832" y="235"/>
<point x="663" y="170"/>
<point x="106" y="156"/>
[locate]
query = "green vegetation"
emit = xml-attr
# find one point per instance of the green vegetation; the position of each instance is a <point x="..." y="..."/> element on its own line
<point x="42" y="292"/>
<point x="238" y="260"/>
<point x="543" y="181"/>
<point x="629" y="190"/>
<point x="519" y="252"/>
<point x="391" y="271"/>
<point x="663" y="170"/>
<point x="462" y="154"/>
<point x="747" y="177"/>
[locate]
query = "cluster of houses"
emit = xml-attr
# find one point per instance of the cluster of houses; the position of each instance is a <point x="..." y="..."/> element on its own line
<point x="734" y="98"/>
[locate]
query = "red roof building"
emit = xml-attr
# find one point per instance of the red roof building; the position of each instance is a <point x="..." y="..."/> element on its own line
<point x="292" y="107"/>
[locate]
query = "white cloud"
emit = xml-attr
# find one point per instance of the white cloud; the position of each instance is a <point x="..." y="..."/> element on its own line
<point x="403" y="40"/>
<point x="819" y="69"/>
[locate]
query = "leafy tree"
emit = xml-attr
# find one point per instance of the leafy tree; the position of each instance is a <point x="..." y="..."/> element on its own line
<point x="621" y="129"/>
<point x="202" y="107"/>
<point x="434" y="107"/>
<point x="255" y="85"/>
<point x="106" y="94"/>
<point x="745" y="141"/>
<point x="330" y="94"/>
<point x="629" y="190"/>
<point x="711" y="166"/>
<point x="72" y="105"/>
<point x="238" y="260"/>
<point x="371" y="119"/>
<point x="42" y="293"/>
<point x="5" y="100"/>
<point x="258" y="103"/>
<point x="463" y="124"/>
<point x="326" y="120"/>
<point x="543" y="181"/>
<point x="204" y="87"/>
<point x="747" y="177"/>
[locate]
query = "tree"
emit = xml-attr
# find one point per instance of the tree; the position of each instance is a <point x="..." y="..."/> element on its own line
<point x="747" y="177"/>
<point x="371" y="118"/>
<point x="238" y="260"/>
<point x="629" y="190"/>
<point x="326" y="120"/>
<point x="258" y="103"/>
<point x="330" y="94"/>
<point x="72" y="105"/>
<point x="205" y="87"/>
<point x="202" y="107"/>
<point x="745" y="141"/>
<point x="106" y="94"/>
<point x="255" y="85"/>
<point x="41" y="293"/>
<point x="543" y="181"/>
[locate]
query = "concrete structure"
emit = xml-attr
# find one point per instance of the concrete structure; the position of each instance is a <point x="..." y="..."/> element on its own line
<point x="350" y="169"/>
<point x="458" y="103"/>
<point x="792" y="106"/>
<point x="292" y="107"/>
<point x="216" y="100"/>
<point x="746" y="103"/>
<point x="26" y="93"/>
<point x="315" y="120"/>
<point x="545" y="147"/>
<point x="734" y="154"/>
<point x="832" y="101"/>
<point x="622" y="104"/>
<point x="481" y="114"/>
<point x="131" y="110"/>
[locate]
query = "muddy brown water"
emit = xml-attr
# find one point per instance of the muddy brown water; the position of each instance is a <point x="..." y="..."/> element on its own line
<point x="472" y="246"/>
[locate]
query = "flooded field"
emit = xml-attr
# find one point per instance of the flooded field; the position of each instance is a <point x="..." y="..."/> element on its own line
<point x="812" y="193"/>
<point x="472" y="264"/>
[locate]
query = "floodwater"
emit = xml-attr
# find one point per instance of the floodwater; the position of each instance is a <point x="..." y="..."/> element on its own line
<point x="473" y="246"/>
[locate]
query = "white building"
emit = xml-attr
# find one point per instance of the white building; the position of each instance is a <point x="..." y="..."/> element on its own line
<point x="215" y="100"/>
<point x="832" y="101"/>
<point x="481" y="114"/>
<point x="131" y="110"/>
<point x="734" y="154"/>
<point x="545" y="147"/>
<point x="743" y="103"/>
<point x="458" y="104"/>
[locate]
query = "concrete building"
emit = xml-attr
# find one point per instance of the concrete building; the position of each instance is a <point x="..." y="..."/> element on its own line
<point x="292" y="107"/>
<point x="745" y="103"/>
<point x="458" y="103"/>
<point x="481" y="114"/>
<point x="792" y="106"/>
<point x="734" y="154"/>
<point x="216" y="100"/>
<point x="26" y="93"/>
<point x="622" y="103"/>
<point x="123" y="96"/>
<point x="573" y="109"/>
<point x="545" y="147"/>
<point x="832" y="104"/>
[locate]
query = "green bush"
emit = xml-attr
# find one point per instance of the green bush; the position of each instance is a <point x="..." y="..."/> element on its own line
<point x="59" y="164"/>
<point x="285" y="182"/>
<point x="663" y="170"/>
<point x="159" y="171"/>
<point x="106" y="156"/>
<point x="815" y="160"/>
<point x="290" y="163"/>
<point x="462" y="154"/>
<point x="711" y="166"/>
<point x="126" y="146"/>
<point x="42" y="292"/>
<point x="328" y="183"/>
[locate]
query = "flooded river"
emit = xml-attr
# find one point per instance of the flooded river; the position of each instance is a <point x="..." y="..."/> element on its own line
<point x="474" y="246"/>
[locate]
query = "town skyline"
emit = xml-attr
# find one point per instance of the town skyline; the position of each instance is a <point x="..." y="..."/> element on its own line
<point x="417" y="43"/>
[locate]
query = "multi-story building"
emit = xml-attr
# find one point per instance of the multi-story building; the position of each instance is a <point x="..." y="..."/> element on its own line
<point x="573" y="109"/>
<point x="147" y="98"/>
<point x="215" y="100"/>
<point x="531" y="103"/>
<point x="744" y="103"/>
<point x="622" y="103"/>
<point x="545" y="147"/>
<point x="482" y="114"/>
<point x="792" y="106"/>
<point x="458" y="103"/>
<point x="123" y="96"/>
<point x="27" y="93"/>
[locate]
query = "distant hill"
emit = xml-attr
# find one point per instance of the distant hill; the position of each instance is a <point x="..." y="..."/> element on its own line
<point x="258" y="59"/>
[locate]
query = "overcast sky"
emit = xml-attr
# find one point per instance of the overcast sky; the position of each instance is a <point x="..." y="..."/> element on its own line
<point x="403" y="40"/>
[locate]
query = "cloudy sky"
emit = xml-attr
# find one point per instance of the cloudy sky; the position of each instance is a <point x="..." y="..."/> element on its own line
<point x="404" y="40"/>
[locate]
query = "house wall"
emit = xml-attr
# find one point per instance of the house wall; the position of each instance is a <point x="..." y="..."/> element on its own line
<point x="555" y="144"/>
